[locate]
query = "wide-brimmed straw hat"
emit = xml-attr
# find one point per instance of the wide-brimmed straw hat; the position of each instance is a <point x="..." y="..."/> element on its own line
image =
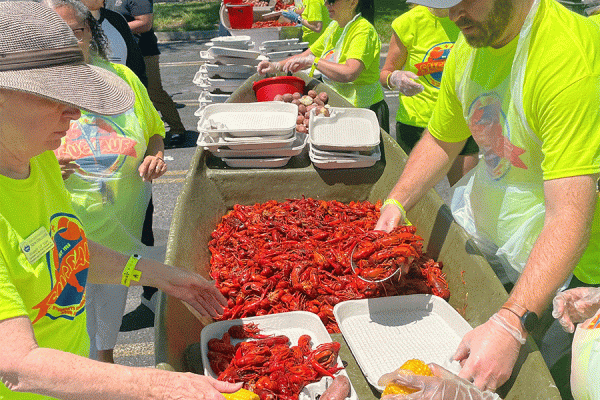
<point x="39" y="55"/>
<point x="436" y="3"/>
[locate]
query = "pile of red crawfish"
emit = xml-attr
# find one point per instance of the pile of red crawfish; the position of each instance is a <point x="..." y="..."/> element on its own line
<point x="295" y="255"/>
<point x="268" y="365"/>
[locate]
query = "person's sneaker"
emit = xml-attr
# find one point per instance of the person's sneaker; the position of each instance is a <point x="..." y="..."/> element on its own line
<point x="140" y="318"/>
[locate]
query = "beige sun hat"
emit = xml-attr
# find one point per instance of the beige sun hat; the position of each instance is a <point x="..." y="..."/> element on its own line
<point x="39" y="55"/>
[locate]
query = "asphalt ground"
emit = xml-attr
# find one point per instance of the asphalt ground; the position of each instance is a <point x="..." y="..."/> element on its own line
<point x="179" y="61"/>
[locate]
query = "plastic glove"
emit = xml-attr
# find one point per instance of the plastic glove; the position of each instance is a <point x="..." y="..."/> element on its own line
<point x="298" y="63"/>
<point x="265" y="67"/>
<point x="443" y="385"/>
<point x="389" y="218"/>
<point x="292" y="16"/>
<point x="575" y="305"/>
<point x="488" y="354"/>
<point x="404" y="81"/>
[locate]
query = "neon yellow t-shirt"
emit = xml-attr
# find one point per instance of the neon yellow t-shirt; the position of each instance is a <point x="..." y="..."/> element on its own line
<point x="107" y="191"/>
<point x="595" y="18"/>
<point x="361" y="42"/>
<point x="428" y="40"/>
<point x="561" y="98"/>
<point x="314" y="10"/>
<point x="48" y="290"/>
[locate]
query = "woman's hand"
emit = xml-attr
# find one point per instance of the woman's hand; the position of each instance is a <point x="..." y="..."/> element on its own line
<point x="152" y="167"/>
<point x="67" y="166"/>
<point x="443" y="385"/>
<point x="176" y="385"/>
<point x="267" y="67"/>
<point x="575" y="305"/>
<point x="298" y="63"/>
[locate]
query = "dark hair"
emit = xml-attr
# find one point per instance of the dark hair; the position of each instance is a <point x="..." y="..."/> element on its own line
<point x="99" y="42"/>
<point x="367" y="10"/>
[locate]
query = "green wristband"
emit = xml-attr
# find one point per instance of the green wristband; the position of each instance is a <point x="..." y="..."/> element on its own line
<point x="399" y="206"/>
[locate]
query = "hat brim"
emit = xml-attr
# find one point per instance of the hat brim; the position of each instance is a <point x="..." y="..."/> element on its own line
<point x="436" y="3"/>
<point x="84" y="86"/>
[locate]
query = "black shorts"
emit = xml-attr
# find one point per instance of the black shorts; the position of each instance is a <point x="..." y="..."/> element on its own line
<point x="407" y="137"/>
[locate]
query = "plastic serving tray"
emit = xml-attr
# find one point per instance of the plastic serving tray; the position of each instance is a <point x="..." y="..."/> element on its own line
<point x="293" y="324"/>
<point x="268" y="118"/>
<point x="374" y="154"/>
<point x="355" y="129"/>
<point x="385" y="332"/>
<point x="206" y="56"/>
<point x="217" y="51"/>
<point x="298" y="145"/>
<point x="281" y="55"/>
<point x="213" y="143"/>
<point x="329" y="163"/>
<point x="284" y="47"/>
<point x="210" y="84"/>
<point x="227" y="71"/>
<point x="269" y="162"/>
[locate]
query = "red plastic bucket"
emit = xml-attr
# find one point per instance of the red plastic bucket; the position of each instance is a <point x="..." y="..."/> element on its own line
<point x="267" y="89"/>
<point x="241" y="16"/>
<point x="232" y="2"/>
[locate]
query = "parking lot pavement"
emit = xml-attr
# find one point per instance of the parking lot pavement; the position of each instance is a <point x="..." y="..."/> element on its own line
<point x="179" y="61"/>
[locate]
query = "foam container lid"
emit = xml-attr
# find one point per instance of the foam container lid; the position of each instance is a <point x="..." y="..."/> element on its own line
<point x="385" y="332"/>
<point x="297" y="146"/>
<point x="354" y="129"/>
<point x="217" y="51"/>
<point x="212" y="143"/>
<point x="206" y="56"/>
<point x="293" y="324"/>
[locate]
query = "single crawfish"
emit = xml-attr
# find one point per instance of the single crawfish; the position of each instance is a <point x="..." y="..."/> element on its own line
<point x="245" y="331"/>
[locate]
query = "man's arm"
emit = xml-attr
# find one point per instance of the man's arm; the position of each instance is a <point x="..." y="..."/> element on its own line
<point x="428" y="162"/>
<point x="141" y="23"/>
<point x="570" y="205"/>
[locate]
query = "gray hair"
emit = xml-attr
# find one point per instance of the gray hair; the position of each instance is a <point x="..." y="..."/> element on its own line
<point x="99" y="42"/>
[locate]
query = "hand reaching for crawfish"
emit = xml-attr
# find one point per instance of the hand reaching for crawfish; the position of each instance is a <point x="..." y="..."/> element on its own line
<point x="391" y="215"/>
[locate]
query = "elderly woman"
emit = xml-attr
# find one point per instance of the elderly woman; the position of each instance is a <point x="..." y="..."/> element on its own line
<point x="46" y="258"/>
<point x="347" y="54"/>
<point x="108" y="164"/>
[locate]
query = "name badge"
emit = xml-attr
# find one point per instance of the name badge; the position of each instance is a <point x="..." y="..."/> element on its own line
<point x="37" y="245"/>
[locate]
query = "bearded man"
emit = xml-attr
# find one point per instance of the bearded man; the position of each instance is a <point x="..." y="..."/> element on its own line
<point x="524" y="80"/>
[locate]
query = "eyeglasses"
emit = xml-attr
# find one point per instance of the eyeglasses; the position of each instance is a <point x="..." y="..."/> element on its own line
<point x="79" y="33"/>
<point x="330" y="2"/>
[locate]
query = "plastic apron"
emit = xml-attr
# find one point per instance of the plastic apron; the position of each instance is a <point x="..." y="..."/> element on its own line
<point x="358" y="95"/>
<point x="585" y="363"/>
<point x="501" y="201"/>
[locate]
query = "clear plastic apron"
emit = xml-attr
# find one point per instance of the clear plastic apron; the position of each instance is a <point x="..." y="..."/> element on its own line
<point x="355" y="94"/>
<point x="501" y="201"/>
<point x="585" y="362"/>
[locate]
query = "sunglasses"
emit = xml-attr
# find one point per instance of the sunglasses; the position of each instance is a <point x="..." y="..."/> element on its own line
<point x="330" y="2"/>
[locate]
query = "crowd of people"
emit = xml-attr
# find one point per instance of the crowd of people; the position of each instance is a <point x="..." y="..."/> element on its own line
<point x="512" y="124"/>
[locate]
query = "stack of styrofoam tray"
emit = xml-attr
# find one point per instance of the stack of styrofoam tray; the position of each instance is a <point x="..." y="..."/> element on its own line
<point x="347" y="138"/>
<point x="276" y="50"/>
<point x="217" y="85"/>
<point x="385" y="332"/>
<point x="242" y="42"/>
<point x="231" y="71"/>
<point x="226" y="60"/>
<point x="292" y="324"/>
<point x="206" y="98"/>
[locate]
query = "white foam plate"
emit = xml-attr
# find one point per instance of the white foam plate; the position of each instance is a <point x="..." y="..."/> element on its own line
<point x="211" y="84"/>
<point x="217" y="51"/>
<point x="269" y="162"/>
<point x="233" y="45"/>
<point x="230" y="60"/>
<point x="293" y="324"/>
<point x="227" y="71"/>
<point x="297" y="146"/>
<point x="267" y="118"/>
<point x="283" y="42"/>
<point x="374" y="154"/>
<point x="355" y="129"/>
<point x="245" y="137"/>
<point x="211" y="143"/>
<point x="385" y="332"/>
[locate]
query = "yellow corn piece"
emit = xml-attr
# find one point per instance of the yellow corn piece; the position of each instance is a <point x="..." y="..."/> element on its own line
<point x="417" y="367"/>
<point x="241" y="394"/>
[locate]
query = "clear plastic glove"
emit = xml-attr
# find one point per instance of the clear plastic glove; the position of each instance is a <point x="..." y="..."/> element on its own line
<point x="298" y="63"/>
<point x="292" y="16"/>
<point x="487" y="355"/>
<point x="405" y="82"/>
<point x="266" y="67"/>
<point x="575" y="305"/>
<point x="443" y="385"/>
<point x="390" y="217"/>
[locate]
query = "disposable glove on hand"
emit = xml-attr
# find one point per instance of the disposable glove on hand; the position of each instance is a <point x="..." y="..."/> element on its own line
<point x="575" y="305"/>
<point x="390" y="217"/>
<point x="266" y="67"/>
<point x="292" y="16"/>
<point x="404" y="81"/>
<point x="298" y="63"/>
<point x="442" y="386"/>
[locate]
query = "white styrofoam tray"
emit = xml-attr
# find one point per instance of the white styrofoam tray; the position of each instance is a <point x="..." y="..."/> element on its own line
<point x="217" y="51"/>
<point x="280" y="55"/>
<point x="293" y="324"/>
<point x="355" y="129"/>
<point x="245" y="137"/>
<point x="210" y="84"/>
<point x="233" y="45"/>
<point x="328" y="163"/>
<point x="283" y="42"/>
<point x="374" y="154"/>
<point x="227" y="71"/>
<point x="230" y="60"/>
<point x="213" y="143"/>
<point x="267" y="118"/>
<point x="224" y="40"/>
<point x="385" y="332"/>
<point x="268" y="162"/>
<point x="286" y="47"/>
<point x="298" y="145"/>
<point x="205" y="95"/>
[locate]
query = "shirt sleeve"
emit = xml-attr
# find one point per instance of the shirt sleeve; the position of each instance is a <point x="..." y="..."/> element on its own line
<point x="319" y="45"/>
<point x="402" y="27"/>
<point x="141" y="7"/>
<point x="11" y="304"/>
<point x="447" y="122"/>
<point x="364" y="44"/>
<point x="313" y="11"/>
